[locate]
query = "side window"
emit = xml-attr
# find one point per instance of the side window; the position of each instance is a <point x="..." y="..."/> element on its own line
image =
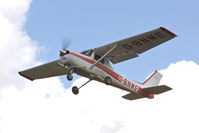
<point x="97" y="57"/>
<point x="102" y="61"/>
<point x="89" y="53"/>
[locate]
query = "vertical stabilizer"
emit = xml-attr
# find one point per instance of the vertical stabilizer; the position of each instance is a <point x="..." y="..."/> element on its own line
<point x="153" y="80"/>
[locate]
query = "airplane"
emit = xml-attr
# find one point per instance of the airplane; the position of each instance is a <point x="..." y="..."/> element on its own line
<point x="94" y="64"/>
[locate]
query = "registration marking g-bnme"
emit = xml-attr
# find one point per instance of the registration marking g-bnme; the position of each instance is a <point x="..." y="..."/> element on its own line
<point x="128" y="83"/>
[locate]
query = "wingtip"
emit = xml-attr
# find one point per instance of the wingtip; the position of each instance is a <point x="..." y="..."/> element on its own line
<point x="20" y="73"/>
<point x="168" y="31"/>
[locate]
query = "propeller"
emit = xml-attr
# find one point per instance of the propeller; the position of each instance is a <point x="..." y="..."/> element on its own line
<point x="65" y="44"/>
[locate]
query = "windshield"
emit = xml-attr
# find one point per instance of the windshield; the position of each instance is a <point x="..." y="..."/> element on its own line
<point x="109" y="65"/>
<point x="87" y="52"/>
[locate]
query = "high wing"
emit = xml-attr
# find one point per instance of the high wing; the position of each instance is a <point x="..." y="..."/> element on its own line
<point x="44" y="71"/>
<point x="130" y="47"/>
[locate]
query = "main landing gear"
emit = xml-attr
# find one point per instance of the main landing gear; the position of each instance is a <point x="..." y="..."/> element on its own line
<point x="72" y="70"/>
<point x="70" y="77"/>
<point x="75" y="89"/>
<point x="107" y="80"/>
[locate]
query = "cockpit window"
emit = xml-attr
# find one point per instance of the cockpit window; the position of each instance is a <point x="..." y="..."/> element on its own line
<point x="97" y="57"/>
<point x="87" y="52"/>
<point x="109" y="65"/>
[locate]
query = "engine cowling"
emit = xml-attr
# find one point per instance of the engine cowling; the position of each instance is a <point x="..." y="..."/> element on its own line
<point x="63" y="52"/>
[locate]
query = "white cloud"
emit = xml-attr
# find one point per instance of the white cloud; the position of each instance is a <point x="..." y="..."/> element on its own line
<point x="14" y="11"/>
<point x="100" y="108"/>
<point x="44" y="106"/>
<point x="17" y="51"/>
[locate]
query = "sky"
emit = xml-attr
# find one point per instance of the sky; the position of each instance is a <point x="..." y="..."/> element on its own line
<point x="31" y="34"/>
<point x="90" y="24"/>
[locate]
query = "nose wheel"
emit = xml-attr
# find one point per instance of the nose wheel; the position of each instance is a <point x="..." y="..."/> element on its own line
<point x="75" y="89"/>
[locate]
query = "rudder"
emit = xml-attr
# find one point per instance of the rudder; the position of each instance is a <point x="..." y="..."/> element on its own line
<point x="153" y="80"/>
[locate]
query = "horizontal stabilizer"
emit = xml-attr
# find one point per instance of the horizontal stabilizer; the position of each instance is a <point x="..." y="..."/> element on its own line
<point x="156" y="89"/>
<point x="132" y="96"/>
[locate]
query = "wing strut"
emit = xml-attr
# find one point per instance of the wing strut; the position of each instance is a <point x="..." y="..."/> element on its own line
<point x="104" y="55"/>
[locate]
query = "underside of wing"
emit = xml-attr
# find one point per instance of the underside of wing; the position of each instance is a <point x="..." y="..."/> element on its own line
<point x="44" y="71"/>
<point x="130" y="47"/>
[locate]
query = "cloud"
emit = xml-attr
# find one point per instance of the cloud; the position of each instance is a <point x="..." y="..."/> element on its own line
<point x="100" y="108"/>
<point x="17" y="49"/>
<point x="14" y="11"/>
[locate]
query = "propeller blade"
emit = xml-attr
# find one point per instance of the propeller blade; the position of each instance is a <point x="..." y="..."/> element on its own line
<point x="66" y="43"/>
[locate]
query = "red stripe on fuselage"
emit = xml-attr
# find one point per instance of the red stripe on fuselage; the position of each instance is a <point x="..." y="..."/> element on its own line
<point x="110" y="72"/>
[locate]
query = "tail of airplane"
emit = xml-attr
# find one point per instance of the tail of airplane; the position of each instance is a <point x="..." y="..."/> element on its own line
<point x="153" y="80"/>
<point x="149" y="87"/>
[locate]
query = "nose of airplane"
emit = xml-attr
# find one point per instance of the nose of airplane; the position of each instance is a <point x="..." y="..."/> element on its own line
<point x="63" y="52"/>
<point x="63" y="57"/>
<point x="63" y="60"/>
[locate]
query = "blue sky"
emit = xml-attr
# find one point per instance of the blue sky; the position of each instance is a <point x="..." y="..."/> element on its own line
<point x="90" y="24"/>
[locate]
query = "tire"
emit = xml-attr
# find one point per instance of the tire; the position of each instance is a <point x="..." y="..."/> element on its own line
<point x="70" y="77"/>
<point x="75" y="90"/>
<point x="107" y="80"/>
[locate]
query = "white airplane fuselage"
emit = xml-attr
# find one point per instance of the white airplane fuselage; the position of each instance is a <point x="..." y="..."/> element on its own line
<point x="100" y="71"/>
